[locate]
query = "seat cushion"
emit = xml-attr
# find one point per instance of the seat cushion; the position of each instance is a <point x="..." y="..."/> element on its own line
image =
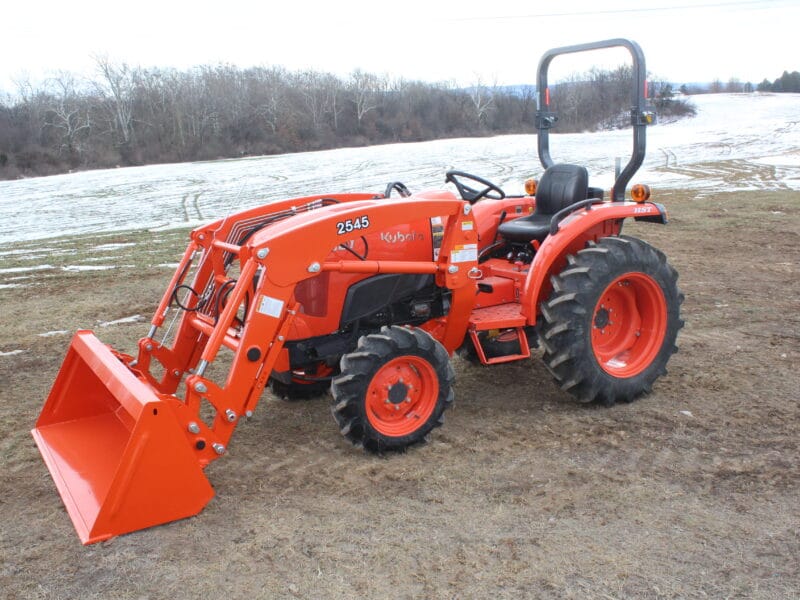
<point x="526" y="229"/>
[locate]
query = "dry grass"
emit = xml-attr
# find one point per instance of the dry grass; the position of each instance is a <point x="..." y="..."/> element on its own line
<point x="521" y="494"/>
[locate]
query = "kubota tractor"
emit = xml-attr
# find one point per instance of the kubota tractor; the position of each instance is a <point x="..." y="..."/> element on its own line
<point x="368" y="295"/>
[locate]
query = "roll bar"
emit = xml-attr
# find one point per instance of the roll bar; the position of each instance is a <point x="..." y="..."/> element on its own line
<point x="641" y="114"/>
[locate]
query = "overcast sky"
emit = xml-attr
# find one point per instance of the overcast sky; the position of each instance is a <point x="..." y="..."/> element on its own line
<point x="496" y="41"/>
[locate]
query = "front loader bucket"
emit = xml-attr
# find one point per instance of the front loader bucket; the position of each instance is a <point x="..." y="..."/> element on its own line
<point x="114" y="448"/>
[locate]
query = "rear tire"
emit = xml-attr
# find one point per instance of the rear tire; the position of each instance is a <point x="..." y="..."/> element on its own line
<point x="610" y="324"/>
<point x="393" y="389"/>
<point x="304" y="385"/>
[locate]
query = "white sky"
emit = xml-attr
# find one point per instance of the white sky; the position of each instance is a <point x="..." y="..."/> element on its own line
<point x="498" y="41"/>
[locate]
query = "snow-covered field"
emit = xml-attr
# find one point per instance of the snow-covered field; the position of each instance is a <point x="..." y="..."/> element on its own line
<point x="735" y="142"/>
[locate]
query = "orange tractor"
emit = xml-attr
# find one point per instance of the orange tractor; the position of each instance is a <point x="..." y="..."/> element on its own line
<point x="368" y="295"/>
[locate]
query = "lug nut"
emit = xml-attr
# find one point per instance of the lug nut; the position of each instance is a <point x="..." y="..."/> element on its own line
<point x="194" y="428"/>
<point x="230" y="415"/>
<point x="200" y="387"/>
<point x="218" y="448"/>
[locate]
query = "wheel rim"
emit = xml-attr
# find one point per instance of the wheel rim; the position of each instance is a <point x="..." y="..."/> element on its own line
<point x="629" y="323"/>
<point x="402" y="396"/>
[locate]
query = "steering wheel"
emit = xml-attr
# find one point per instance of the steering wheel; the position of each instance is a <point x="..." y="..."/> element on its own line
<point x="471" y="195"/>
<point x="397" y="186"/>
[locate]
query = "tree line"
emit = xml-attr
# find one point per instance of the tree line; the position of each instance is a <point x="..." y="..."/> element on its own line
<point x="127" y="115"/>
<point x="786" y="83"/>
<point x="600" y="99"/>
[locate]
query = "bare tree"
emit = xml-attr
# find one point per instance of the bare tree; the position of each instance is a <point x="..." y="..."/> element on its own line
<point x="312" y="90"/>
<point x="69" y="113"/>
<point x="119" y="82"/>
<point x="267" y="95"/>
<point x="34" y="102"/>
<point x="482" y="100"/>
<point x="334" y="101"/>
<point x="364" y="90"/>
<point x="734" y="86"/>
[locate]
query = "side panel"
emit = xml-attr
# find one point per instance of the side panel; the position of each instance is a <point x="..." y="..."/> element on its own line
<point x="322" y="298"/>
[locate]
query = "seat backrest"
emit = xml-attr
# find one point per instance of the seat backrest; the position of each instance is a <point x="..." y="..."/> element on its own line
<point x="561" y="186"/>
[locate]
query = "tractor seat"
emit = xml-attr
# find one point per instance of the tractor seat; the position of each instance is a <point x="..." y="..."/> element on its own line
<point x="560" y="187"/>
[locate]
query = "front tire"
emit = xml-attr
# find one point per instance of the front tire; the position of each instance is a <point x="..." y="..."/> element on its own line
<point x="393" y="390"/>
<point x="610" y="324"/>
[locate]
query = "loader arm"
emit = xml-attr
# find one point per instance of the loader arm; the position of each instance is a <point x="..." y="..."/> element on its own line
<point x="126" y="439"/>
<point x="272" y="262"/>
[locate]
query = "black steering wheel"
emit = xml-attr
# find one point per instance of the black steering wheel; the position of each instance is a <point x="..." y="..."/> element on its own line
<point x="471" y="195"/>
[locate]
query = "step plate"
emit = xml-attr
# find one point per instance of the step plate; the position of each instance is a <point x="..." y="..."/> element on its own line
<point x="502" y="316"/>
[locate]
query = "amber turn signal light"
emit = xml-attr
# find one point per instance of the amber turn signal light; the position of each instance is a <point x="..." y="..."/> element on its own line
<point x="530" y="187"/>
<point x="640" y="192"/>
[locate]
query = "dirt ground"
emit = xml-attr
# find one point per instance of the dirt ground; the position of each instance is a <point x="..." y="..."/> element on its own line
<point x="690" y="492"/>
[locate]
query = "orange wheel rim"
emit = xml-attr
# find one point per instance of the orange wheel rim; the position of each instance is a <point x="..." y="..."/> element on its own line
<point x="402" y="396"/>
<point x="629" y="323"/>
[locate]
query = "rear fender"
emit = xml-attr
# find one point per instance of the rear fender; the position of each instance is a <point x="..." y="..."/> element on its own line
<point x="574" y="231"/>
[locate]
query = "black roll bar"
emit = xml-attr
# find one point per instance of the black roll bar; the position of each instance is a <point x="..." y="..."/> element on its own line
<point x="641" y="114"/>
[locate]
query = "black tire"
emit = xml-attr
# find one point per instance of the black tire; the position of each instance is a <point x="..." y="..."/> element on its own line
<point x="409" y="409"/>
<point x="302" y="388"/>
<point x="627" y="273"/>
<point x="293" y="392"/>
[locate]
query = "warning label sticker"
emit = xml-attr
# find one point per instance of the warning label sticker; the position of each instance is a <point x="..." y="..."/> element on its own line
<point x="272" y="307"/>
<point x="464" y="253"/>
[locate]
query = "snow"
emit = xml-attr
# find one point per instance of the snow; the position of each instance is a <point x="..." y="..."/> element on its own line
<point x="78" y="268"/>
<point x="736" y="142"/>
<point x="21" y="251"/>
<point x="117" y="246"/>
<point x="25" y="269"/>
<point x="122" y="321"/>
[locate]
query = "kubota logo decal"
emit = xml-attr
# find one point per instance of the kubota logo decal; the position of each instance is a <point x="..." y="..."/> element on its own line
<point x="396" y="237"/>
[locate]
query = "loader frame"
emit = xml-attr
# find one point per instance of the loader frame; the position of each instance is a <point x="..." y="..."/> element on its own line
<point x="272" y="263"/>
